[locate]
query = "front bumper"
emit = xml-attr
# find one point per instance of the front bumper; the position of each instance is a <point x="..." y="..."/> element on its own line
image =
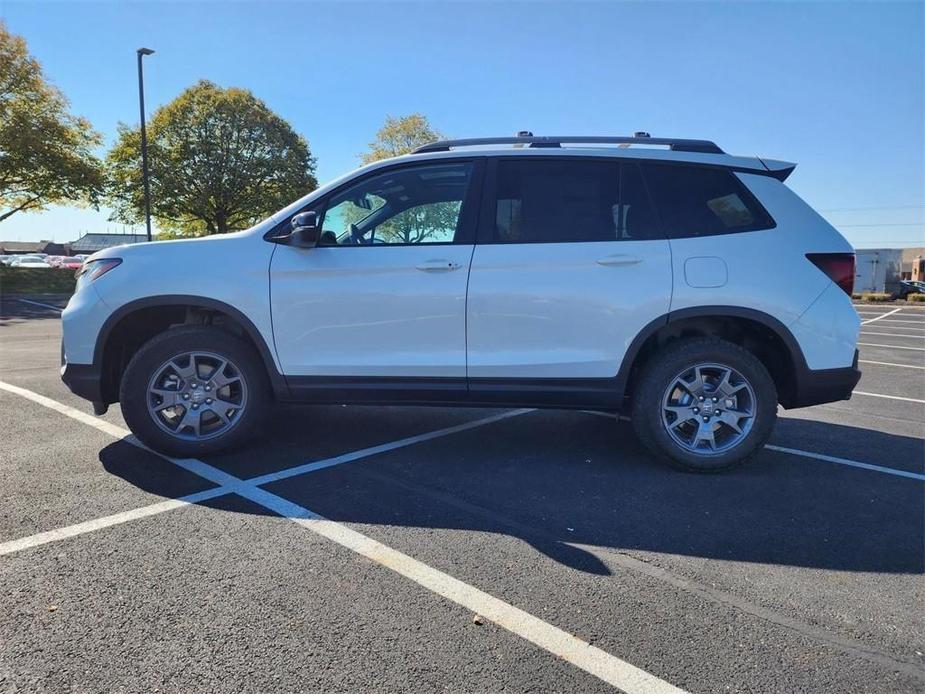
<point x="84" y="380"/>
<point x="815" y="387"/>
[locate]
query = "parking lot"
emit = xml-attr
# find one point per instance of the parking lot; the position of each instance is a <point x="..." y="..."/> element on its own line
<point x="410" y="549"/>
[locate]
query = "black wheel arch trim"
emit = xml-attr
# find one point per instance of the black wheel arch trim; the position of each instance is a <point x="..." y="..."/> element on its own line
<point x="782" y="331"/>
<point x="277" y="380"/>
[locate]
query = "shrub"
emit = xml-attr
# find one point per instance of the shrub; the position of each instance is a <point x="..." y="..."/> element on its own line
<point x="916" y="297"/>
<point x="876" y="296"/>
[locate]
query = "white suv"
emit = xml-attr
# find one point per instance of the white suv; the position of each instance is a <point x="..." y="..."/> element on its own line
<point x="662" y="277"/>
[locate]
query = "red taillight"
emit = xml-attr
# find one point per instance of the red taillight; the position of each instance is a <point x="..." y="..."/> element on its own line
<point x="838" y="267"/>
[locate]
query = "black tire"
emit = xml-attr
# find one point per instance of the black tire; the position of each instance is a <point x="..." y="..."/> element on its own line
<point x="659" y="374"/>
<point x="133" y="391"/>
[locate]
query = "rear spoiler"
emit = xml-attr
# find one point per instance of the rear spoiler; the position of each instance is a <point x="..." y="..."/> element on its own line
<point x="778" y="169"/>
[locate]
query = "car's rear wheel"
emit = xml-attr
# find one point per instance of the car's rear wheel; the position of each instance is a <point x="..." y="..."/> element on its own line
<point x="194" y="390"/>
<point x="704" y="404"/>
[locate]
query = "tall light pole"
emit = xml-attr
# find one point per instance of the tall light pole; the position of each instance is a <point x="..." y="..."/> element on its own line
<point x="144" y="138"/>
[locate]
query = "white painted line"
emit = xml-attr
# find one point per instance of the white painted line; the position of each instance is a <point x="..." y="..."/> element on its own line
<point x="874" y="344"/>
<point x="591" y="659"/>
<point x="882" y="315"/>
<point x="845" y="461"/>
<point x="72" y="412"/>
<point x="884" y="326"/>
<point x="889" y="397"/>
<point x="810" y="454"/>
<point x="906" y="335"/>
<point x="107" y="521"/>
<point x="890" y="363"/>
<point x="39" y="303"/>
<point x="160" y="507"/>
<point x="383" y="448"/>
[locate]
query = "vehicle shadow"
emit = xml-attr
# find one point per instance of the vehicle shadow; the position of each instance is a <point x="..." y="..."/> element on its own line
<point x="13" y="310"/>
<point x="560" y="479"/>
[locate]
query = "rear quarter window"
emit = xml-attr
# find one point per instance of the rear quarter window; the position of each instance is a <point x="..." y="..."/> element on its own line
<point x="695" y="201"/>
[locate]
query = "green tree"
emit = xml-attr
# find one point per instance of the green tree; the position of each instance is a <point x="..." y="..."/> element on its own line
<point x="46" y="154"/>
<point x="219" y="160"/>
<point x="400" y="136"/>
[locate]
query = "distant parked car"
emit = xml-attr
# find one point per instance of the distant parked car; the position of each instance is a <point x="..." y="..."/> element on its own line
<point x="907" y="287"/>
<point x="54" y="260"/>
<point x="33" y="261"/>
<point x="6" y="259"/>
<point x="72" y="263"/>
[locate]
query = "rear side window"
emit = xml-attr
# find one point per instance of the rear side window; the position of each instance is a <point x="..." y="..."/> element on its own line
<point x="551" y="201"/>
<point x="698" y="201"/>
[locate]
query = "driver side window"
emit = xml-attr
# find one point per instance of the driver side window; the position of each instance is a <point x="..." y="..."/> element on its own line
<point x="414" y="205"/>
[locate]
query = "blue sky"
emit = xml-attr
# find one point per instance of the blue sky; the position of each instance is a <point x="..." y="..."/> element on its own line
<point x="837" y="87"/>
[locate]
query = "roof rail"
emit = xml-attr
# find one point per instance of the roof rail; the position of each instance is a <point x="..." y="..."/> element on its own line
<point x="678" y="145"/>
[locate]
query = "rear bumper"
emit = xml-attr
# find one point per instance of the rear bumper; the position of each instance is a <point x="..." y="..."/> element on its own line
<point x="815" y="387"/>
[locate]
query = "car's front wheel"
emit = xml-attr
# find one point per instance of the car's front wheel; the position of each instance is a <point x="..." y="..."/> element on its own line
<point x="194" y="390"/>
<point x="704" y="404"/>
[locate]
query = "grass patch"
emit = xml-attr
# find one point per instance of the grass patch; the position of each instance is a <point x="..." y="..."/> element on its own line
<point x="24" y="280"/>
<point x="916" y="297"/>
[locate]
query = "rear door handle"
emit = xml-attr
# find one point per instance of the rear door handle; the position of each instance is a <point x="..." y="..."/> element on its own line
<point x="438" y="265"/>
<point x="619" y="259"/>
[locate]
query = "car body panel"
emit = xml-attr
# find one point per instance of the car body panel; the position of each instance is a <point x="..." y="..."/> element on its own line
<point x="553" y="310"/>
<point x="370" y="310"/>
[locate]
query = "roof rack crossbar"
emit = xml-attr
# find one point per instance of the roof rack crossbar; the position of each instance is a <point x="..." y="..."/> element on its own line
<point x="678" y="145"/>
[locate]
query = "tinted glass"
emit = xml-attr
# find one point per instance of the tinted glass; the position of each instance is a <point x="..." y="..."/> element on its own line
<point x="419" y="204"/>
<point x="637" y="219"/>
<point x="547" y="201"/>
<point x="700" y="201"/>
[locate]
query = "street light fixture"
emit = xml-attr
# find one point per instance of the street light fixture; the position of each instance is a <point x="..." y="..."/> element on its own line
<point x="144" y="138"/>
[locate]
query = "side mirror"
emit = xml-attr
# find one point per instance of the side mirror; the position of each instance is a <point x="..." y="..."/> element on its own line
<point x="304" y="231"/>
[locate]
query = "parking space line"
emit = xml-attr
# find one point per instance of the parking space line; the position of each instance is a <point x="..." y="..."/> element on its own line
<point x="39" y="303"/>
<point x="889" y="363"/>
<point x="888" y="397"/>
<point x="845" y="461"/>
<point x="901" y="320"/>
<point x="806" y="454"/>
<point x="591" y="659"/>
<point x="906" y="335"/>
<point x="382" y="448"/>
<point x="882" y="315"/>
<point x="886" y="325"/>
<point x="160" y="507"/>
<point x="873" y="344"/>
<point x="108" y="521"/>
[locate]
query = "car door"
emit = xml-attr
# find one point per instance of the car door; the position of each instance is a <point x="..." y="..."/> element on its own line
<point x="381" y="298"/>
<point x="569" y="268"/>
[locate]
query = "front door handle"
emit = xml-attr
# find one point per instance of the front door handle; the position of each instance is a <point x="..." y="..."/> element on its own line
<point x="619" y="259"/>
<point x="438" y="265"/>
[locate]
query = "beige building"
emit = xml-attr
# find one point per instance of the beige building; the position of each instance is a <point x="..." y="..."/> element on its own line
<point x="913" y="264"/>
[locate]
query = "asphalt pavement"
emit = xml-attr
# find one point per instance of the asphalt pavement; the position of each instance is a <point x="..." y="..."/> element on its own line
<point x="415" y="549"/>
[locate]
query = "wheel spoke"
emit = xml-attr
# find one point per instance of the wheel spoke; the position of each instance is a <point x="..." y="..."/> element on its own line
<point x="185" y="372"/>
<point x="682" y="414"/>
<point x="222" y="414"/>
<point x="705" y="433"/>
<point x="731" y="418"/>
<point x="169" y="398"/>
<point x="220" y="380"/>
<point x="218" y="373"/>
<point x="191" y="418"/>
<point x="694" y="387"/>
